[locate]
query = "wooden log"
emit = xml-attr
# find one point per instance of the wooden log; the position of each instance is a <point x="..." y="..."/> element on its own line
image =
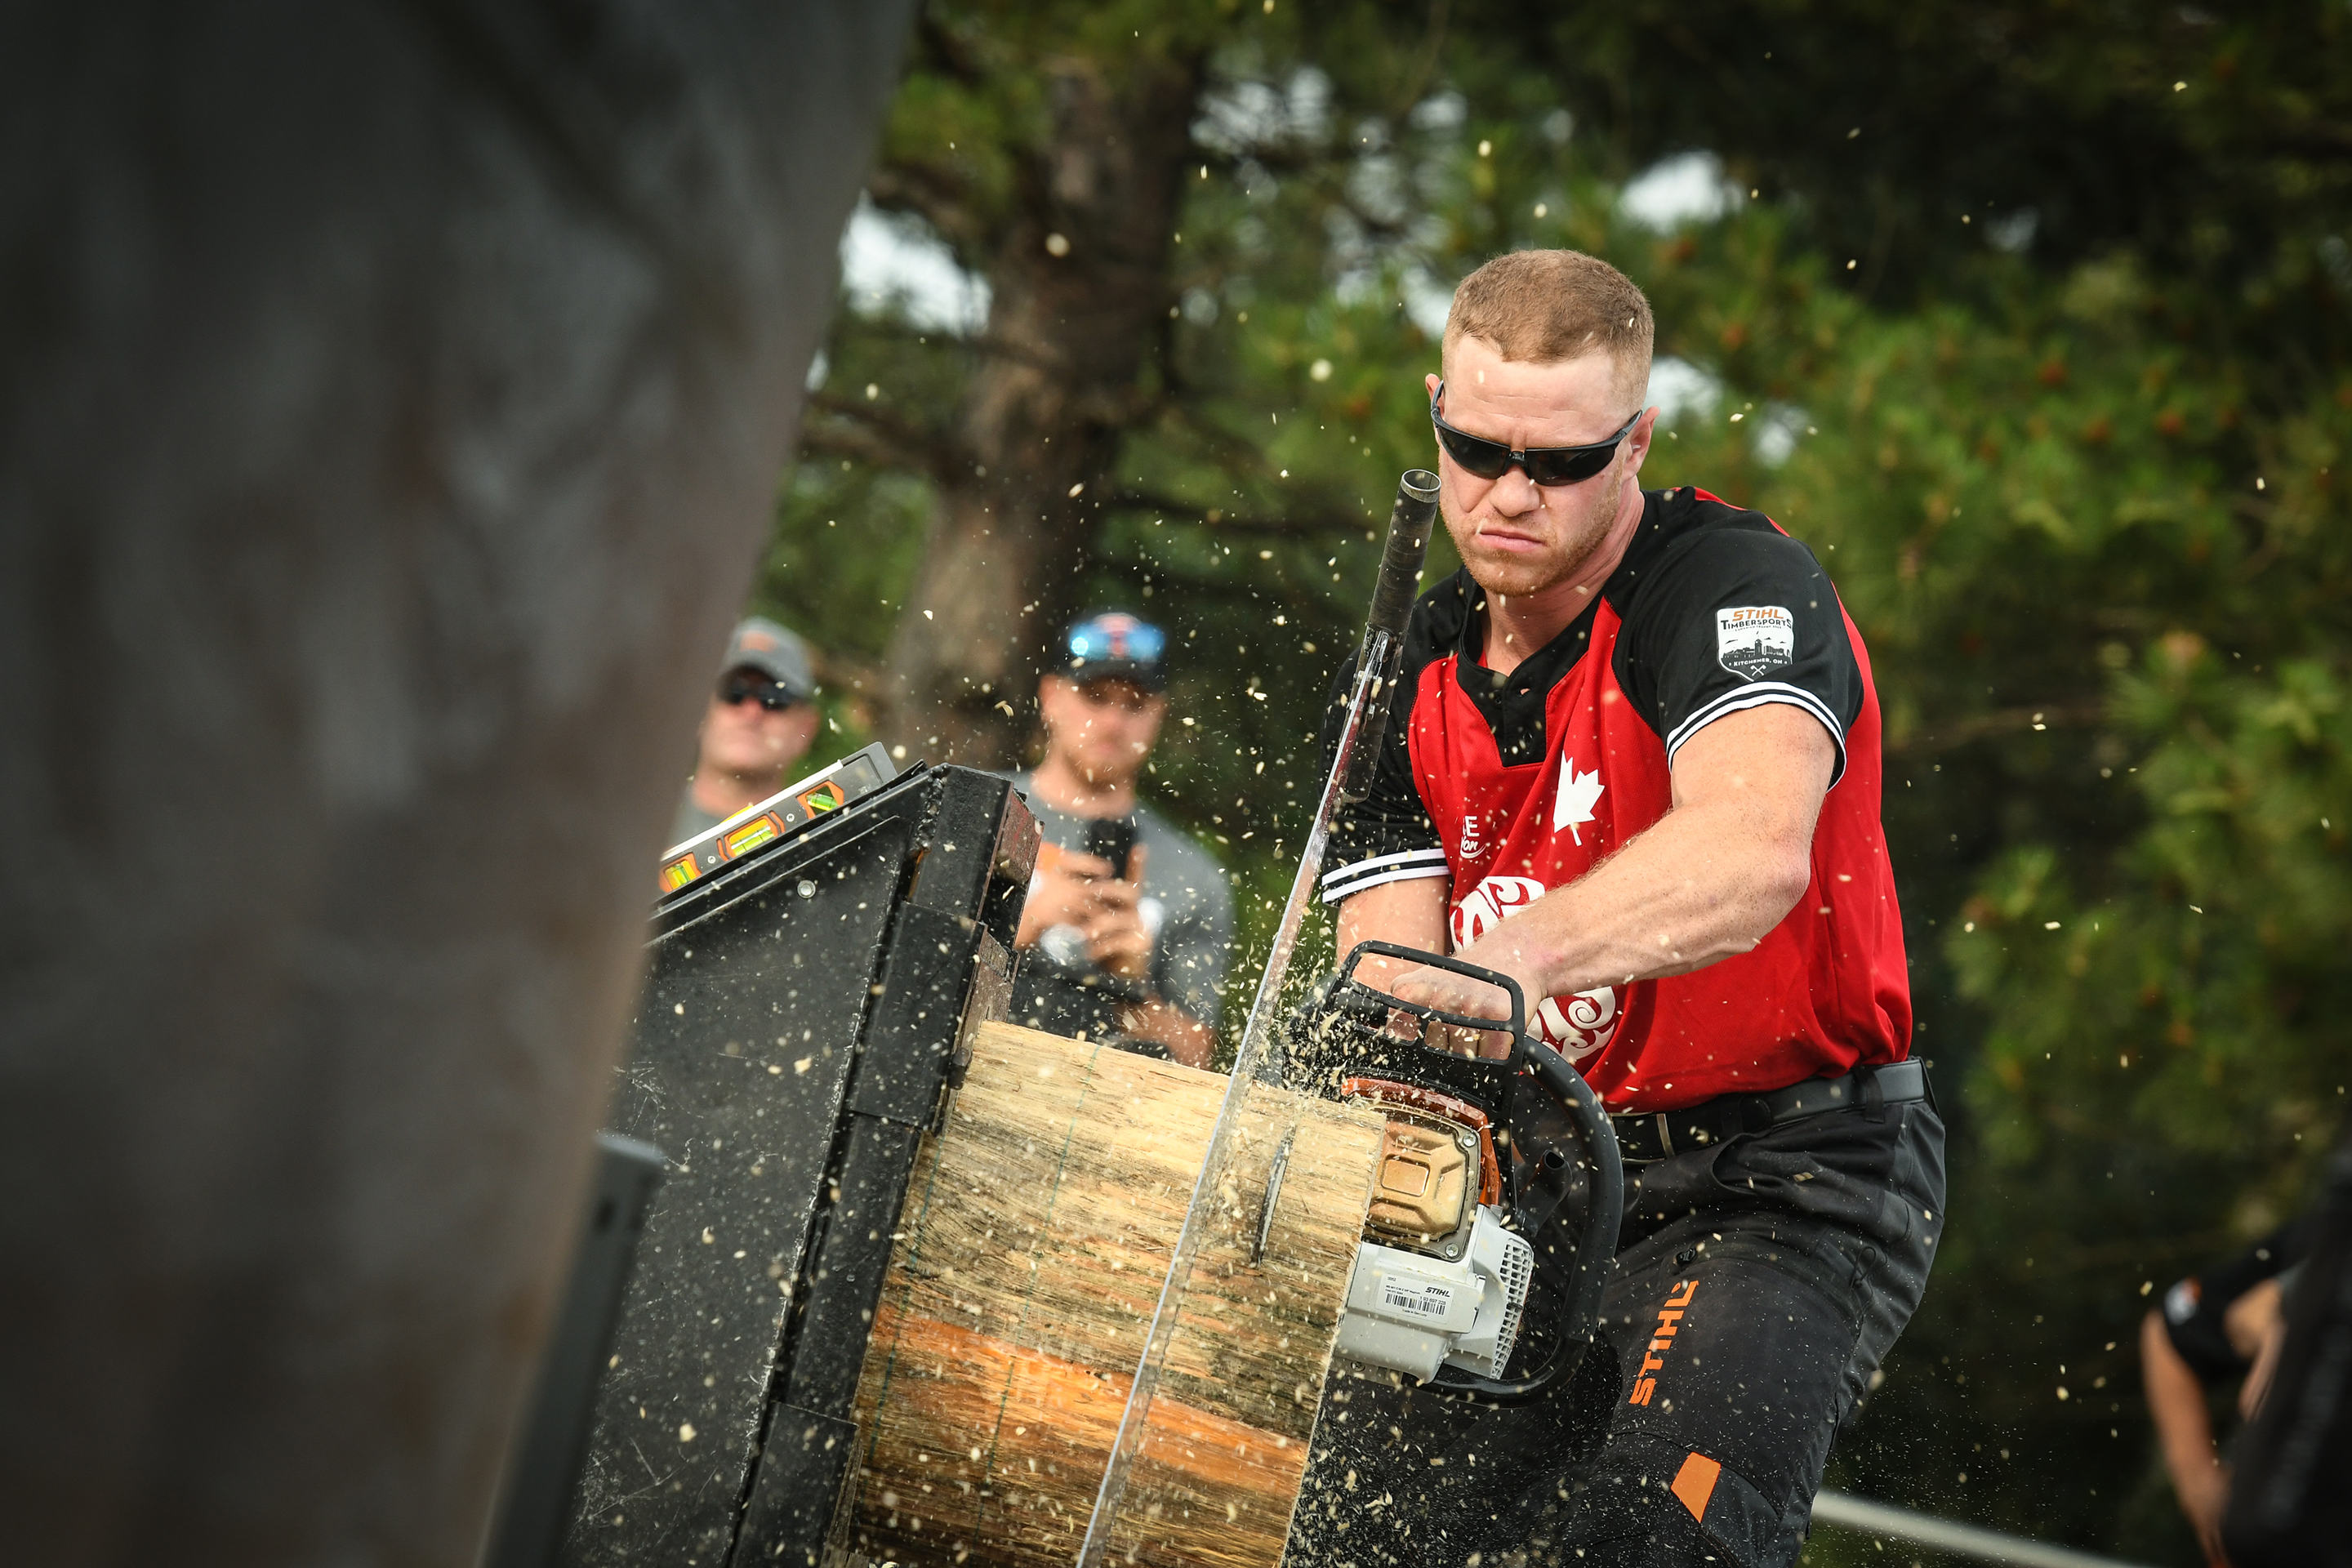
<point x="1028" y="1261"/>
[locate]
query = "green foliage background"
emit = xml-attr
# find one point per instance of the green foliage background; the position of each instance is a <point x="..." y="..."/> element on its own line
<point x="2081" y="490"/>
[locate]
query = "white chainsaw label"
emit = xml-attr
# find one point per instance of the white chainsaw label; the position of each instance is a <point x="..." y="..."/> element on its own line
<point x="1421" y="1298"/>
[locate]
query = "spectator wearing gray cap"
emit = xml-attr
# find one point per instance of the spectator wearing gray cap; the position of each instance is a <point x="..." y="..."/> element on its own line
<point x="761" y="722"/>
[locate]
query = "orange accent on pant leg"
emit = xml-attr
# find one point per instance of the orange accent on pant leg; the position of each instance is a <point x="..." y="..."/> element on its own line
<point x="1642" y="1390"/>
<point x="1695" y="1483"/>
<point x="1650" y="1363"/>
<point x="1690" y="1289"/>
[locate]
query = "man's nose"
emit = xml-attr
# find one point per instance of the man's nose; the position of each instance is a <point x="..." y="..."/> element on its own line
<point x="1515" y="494"/>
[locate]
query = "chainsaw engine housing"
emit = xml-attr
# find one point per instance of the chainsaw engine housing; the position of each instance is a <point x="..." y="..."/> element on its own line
<point x="1412" y="1313"/>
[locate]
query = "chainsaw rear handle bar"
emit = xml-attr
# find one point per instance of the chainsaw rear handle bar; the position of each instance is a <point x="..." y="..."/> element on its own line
<point x="1596" y="1247"/>
<point x="1407" y="548"/>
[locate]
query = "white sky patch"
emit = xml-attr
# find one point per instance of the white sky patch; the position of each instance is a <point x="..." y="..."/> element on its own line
<point x="1426" y="300"/>
<point x="892" y="261"/>
<point x="1778" y="428"/>
<point x="2014" y="231"/>
<point x="1444" y="111"/>
<point x="1688" y="187"/>
<point x="1239" y="116"/>
<point x="1680" y="388"/>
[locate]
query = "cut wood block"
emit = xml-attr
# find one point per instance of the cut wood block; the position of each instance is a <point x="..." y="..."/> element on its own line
<point x="1037" y="1235"/>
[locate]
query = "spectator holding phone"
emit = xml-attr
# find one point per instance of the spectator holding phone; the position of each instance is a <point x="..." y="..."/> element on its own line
<point x="1129" y="922"/>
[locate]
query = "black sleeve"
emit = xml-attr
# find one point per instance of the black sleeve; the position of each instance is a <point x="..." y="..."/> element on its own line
<point x="1739" y="617"/>
<point x="1387" y="837"/>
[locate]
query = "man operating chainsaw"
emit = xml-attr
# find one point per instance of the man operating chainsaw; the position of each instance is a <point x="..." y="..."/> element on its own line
<point x="1633" y="766"/>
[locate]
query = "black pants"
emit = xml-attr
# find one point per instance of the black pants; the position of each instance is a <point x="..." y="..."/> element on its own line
<point x="1759" y="1285"/>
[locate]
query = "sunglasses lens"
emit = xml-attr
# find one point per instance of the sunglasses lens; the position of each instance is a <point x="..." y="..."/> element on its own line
<point x="736" y="688"/>
<point x="1487" y="459"/>
<point x="1568" y="466"/>
<point x="1119" y="637"/>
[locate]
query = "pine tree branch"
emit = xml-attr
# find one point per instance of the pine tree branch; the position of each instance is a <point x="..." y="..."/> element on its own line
<point x="934" y="195"/>
<point x="1321" y="520"/>
<point x="877" y="436"/>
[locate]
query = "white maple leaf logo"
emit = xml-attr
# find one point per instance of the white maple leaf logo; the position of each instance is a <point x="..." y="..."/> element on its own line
<point x="1573" y="801"/>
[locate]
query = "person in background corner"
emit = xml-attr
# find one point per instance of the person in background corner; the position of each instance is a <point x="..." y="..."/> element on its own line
<point x="758" y="726"/>
<point x="1129" y="922"/>
<point x="2229" y="1322"/>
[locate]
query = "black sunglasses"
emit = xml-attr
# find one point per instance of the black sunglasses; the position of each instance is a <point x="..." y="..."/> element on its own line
<point x="1543" y="465"/>
<point x="737" y="686"/>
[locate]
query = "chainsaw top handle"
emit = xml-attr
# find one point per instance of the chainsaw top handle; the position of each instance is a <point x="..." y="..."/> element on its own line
<point x="1355" y="997"/>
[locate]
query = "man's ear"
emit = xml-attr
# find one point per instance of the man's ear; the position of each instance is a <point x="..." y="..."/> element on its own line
<point x="1638" y="442"/>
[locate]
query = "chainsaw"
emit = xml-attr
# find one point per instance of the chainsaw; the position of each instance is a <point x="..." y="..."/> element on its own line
<point x="1498" y="1183"/>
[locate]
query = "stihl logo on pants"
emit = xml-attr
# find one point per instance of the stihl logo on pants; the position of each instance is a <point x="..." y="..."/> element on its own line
<point x="1669" y="1317"/>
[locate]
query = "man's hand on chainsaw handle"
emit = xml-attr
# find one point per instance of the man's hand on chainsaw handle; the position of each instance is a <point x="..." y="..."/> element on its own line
<point x="1451" y="993"/>
<point x="1412" y="914"/>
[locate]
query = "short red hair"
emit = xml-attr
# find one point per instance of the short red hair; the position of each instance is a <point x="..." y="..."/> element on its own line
<point x="1544" y="307"/>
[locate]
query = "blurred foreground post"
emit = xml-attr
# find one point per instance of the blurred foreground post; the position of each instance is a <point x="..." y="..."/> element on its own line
<point x="393" y="399"/>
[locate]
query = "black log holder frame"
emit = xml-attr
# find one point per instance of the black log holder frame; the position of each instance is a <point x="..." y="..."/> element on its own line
<point x="807" y="1012"/>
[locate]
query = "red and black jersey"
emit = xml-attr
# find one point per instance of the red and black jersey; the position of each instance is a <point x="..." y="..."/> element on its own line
<point x="1510" y="784"/>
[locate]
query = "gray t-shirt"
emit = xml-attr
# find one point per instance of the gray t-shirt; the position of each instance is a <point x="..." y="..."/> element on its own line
<point x="692" y="821"/>
<point x="1186" y="902"/>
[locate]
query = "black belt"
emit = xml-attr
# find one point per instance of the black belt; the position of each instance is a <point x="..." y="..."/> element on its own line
<point x="1643" y="1139"/>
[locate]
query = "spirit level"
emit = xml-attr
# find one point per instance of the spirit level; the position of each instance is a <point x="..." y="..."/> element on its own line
<point x="757" y="826"/>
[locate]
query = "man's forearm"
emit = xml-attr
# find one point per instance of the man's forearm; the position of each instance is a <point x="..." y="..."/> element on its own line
<point x="1668" y="903"/>
<point x="1410" y="913"/>
<point x="1691" y="890"/>
<point x="1707" y="881"/>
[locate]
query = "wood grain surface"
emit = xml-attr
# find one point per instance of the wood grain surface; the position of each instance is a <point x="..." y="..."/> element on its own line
<point x="1036" y="1236"/>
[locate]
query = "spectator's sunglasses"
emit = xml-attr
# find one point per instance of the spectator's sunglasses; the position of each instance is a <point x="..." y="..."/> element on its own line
<point x="1117" y="636"/>
<point x="1543" y="465"/>
<point x="737" y="685"/>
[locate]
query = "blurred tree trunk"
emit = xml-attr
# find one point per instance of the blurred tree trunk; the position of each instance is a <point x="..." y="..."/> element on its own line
<point x="1080" y="300"/>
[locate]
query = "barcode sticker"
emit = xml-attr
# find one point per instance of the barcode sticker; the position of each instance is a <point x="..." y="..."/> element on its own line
<point x="1419" y="1296"/>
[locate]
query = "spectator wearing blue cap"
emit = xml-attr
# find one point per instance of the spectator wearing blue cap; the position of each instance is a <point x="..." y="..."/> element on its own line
<point x="760" y="721"/>
<point x="1129" y="922"/>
